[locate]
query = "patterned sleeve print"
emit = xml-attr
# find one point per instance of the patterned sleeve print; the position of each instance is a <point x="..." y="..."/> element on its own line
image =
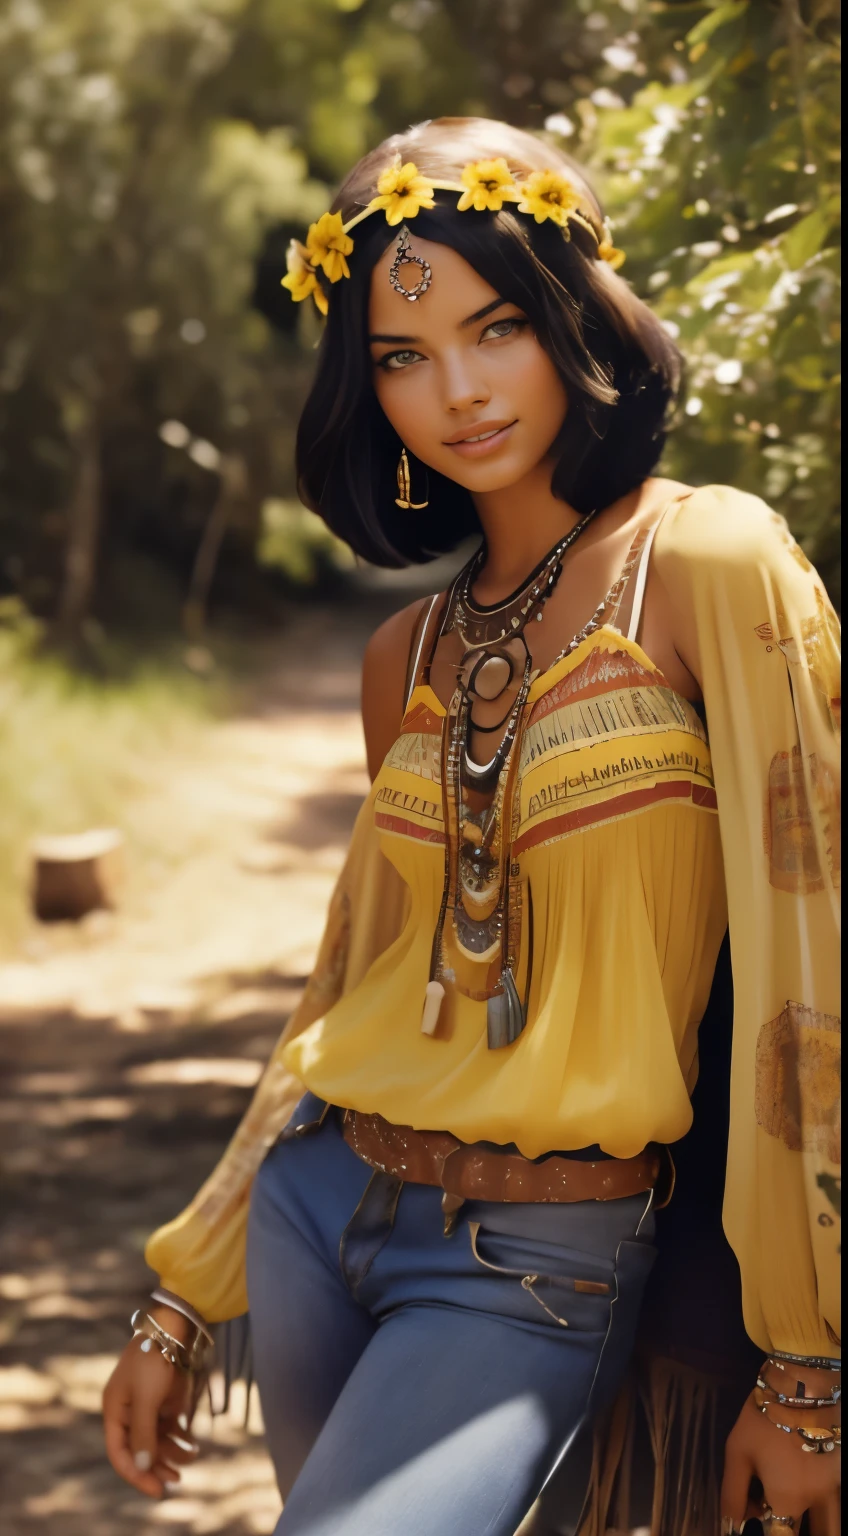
<point x="769" y="657"/>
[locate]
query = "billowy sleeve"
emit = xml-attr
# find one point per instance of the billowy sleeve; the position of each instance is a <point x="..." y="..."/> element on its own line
<point x="768" y="643"/>
<point x="200" y="1256"/>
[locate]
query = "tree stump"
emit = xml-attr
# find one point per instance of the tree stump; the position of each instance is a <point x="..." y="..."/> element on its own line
<point x="75" y="874"/>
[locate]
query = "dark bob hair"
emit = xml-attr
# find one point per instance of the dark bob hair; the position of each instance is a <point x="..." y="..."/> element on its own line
<point x="618" y="364"/>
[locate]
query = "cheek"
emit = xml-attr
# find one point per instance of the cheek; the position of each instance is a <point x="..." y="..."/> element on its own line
<point x="405" y="399"/>
<point x="536" y="387"/>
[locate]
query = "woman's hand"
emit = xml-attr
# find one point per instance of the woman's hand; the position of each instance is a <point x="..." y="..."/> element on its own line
<point x="794" y="1480"/>
<point x="147" y="1410"/>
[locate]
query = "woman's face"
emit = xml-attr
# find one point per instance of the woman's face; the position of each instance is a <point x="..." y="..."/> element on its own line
<point x="460" y="374"/>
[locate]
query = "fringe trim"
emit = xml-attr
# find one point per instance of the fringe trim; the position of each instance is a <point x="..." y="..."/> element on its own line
<point x="658" y="1456"/>
<point x="233" y="1357"/>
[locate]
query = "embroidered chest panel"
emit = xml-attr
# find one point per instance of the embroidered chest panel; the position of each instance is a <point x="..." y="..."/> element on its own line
<point x="608" y="739"/>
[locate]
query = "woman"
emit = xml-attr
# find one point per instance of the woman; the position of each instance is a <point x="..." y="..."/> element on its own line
<point x="448" y="1241"/>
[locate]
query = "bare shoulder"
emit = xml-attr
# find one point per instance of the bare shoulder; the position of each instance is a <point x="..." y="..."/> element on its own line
<point x="384" y="671"/>
<point x="394" y="633"/>
<point x="387" y="652"/>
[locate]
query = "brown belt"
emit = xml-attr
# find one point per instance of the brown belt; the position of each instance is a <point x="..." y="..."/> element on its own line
<point x="473" y="1172"/>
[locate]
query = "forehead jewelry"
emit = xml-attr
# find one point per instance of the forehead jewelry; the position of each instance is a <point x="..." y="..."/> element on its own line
<point x="405" y="257"/>
<point x="402" y="191"/>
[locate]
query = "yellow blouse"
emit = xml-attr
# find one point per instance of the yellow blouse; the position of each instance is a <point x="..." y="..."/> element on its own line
<point x="620" y="857"/>
<point x="623" y="860"/>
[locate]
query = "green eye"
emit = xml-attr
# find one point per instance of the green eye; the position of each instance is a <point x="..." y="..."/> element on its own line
<point x="506" y="327"/>
<point x="395" y="360"/>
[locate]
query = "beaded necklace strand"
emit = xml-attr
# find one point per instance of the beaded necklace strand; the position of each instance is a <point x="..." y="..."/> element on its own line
<point x="477" y="952"/>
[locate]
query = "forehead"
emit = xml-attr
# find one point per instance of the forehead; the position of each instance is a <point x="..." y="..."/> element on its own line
<point x="456" y="290"/>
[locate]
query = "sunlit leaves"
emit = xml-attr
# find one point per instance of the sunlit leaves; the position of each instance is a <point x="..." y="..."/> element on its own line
<point x="807" y="237"/>
<point x="149" y="149"/>
<point x="719" y="16"/>
<point x="722" y="189"/>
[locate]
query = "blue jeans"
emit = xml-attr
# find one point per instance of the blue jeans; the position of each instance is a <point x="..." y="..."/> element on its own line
<point x="414" y="1384"/>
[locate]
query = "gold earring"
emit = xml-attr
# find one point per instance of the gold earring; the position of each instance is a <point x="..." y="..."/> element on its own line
<point x="404" y="484"/>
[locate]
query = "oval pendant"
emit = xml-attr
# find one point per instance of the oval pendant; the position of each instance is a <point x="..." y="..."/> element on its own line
<point x="490" y="676"/>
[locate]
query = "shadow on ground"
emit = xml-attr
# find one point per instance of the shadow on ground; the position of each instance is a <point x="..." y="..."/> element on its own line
<point x="96" y="1154"/>
<point x="132" y="1043"/>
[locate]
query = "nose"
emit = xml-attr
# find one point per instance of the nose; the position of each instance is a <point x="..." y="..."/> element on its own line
<point x="463" y="386"/>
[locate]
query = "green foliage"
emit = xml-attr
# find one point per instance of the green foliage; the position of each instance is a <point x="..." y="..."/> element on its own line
<point x="138" y="202"/>
<point x="156" y="155"/>
<point x="723" y="185"/>
<point x="299" y="544"/>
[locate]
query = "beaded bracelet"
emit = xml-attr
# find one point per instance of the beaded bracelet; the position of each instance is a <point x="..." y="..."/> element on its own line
<point x="815" y="1441"/>
<point x="799" y="1402"/>
<point x="815" y="1362"/>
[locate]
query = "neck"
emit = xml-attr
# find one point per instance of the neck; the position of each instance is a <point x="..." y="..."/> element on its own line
<point x="521" y="523"/>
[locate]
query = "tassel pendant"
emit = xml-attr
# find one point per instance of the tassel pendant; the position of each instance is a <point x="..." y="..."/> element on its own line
<point x="504" y="1013"/>
<point x="433" y="994"/>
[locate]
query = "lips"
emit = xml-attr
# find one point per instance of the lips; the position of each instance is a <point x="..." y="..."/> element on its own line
<point x="481" y="440"/>
<point x="478" y="432"/>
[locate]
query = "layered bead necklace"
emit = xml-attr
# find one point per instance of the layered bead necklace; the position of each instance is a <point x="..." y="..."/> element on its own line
<point x="478" y="933"/>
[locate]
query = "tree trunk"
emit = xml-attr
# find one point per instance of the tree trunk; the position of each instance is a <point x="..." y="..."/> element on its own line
<point x="232" y="485"/>
<point x="83" y="531"/>
<point x="75" y="874"/>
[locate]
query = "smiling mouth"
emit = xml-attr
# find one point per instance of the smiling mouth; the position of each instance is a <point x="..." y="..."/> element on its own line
<point x="477" y="439"/>
<point x="481" y="438"/>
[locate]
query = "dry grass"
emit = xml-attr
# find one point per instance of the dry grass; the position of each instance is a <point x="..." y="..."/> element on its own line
<point x="75" y="748"/>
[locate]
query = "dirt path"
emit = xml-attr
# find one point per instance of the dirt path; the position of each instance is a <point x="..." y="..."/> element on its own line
<point x="134" y="1040"/>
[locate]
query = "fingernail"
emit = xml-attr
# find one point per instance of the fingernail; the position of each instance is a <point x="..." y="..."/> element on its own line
<point x="142" y="1460"/>
<point x="171" y="1487"/>
<point x="184" y="1445"/>
<point x="182" y="1420"/>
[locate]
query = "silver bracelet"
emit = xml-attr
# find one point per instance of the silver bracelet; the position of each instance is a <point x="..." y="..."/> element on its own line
<point x="176" y="1303"/>
<point x="189" y="1358"/>
<point x="802" y="1401"/>
<point x="814" y="1362"/>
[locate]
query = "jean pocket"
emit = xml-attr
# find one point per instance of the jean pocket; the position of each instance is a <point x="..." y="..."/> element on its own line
<point x="579" y="1297"/>
<point x="633" y="1264"/>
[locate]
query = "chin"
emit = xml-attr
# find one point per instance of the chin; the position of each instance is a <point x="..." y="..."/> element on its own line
<point x="487" y="477"/>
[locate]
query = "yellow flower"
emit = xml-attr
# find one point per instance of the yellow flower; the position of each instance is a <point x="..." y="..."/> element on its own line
<point x="300" y="279"/>
<point x="489" y="185"/>
<point x="548" y="195"/>
<point x="300" y="274"/>
<point x="402" y="190"/>
<point x="328" y="246"/>
<point x="608" y="252"/>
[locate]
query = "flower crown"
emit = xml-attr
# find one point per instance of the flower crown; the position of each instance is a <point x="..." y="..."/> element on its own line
<point x="402" y="190"/>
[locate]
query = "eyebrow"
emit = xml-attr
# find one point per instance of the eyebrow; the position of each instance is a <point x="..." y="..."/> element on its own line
<point x="479" y="314"/>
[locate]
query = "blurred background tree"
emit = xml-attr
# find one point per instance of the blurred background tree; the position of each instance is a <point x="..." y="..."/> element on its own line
<point x="157" y="155"/>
